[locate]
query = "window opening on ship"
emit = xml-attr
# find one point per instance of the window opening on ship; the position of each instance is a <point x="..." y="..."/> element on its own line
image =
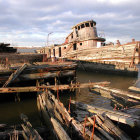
<point x="59" y="51"/>
<point x="91" y="24"/>
<point x="50" y="52"/>
<point x="78" y="27"/>
<point x="82" y="26"/>
<point x="64" y="47"/>
<point x="72" y="36"/>
<point x="76" y="30"/>
<point x="54" y="52"/>
<point x="80" y="44"/>
<point x="87" y="24"/>
<point x="75" y="46"/>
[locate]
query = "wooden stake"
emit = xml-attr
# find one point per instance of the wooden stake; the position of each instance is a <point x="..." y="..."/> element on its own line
<point x="93" y="129"/>
<point x="84" y="126"/>
<point x="69" y="105"/>
<point x="57" y="93"/>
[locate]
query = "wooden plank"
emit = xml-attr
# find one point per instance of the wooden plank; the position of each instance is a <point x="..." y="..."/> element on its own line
<point x="134" y="89"/>
<point x="120" y="92"/>
<point x="106" y="123"/>
<point x="52" y="87"/>
<point x="59" y="130"/>
<point x="100" y="129"/>
<point x="29" y="131"/>
<point x="14" y="75"/>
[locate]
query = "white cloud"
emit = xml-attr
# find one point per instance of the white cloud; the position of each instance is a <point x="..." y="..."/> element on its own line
<point x="29" y="22"/>
<point x="115" y="2"/>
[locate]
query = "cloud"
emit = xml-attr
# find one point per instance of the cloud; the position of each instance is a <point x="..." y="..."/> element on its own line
<point x="29" y="22"/>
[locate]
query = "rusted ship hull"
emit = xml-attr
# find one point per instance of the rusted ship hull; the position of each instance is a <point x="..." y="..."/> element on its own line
<point x="111" y="59"/>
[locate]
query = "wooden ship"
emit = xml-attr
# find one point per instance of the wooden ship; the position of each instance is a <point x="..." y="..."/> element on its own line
<point x="90" y="51"/>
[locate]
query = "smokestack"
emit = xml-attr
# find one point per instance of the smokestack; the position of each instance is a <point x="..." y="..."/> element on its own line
<point x="133" y="40"/>
<point x="118" y="42"/>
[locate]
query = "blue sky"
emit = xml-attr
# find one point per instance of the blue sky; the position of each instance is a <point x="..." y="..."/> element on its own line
<point x="28" y="22"/>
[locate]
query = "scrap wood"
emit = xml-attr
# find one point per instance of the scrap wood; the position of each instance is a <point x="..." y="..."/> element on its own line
<point x="119" y="92"/>
<point x="132" y="120"/>
<point x="65" y="115"/>
<point x="59" y="130"/>
<point x="29" y="131"/>
<point x="101" y="130"/>
<point x="108" y="125"/>
<point x="14" y="75"/>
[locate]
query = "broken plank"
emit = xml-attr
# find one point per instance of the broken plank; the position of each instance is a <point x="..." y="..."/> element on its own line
<point x="59" y="130"/>
<point x="109" y="125"/>
<point x="120" y="92"/>
<point x="101" y="130"/>
<point x="29" y="131"/>
<point x="14" y="75"/>
<point x="134" y="89"/>
<point x="132" y="120"/>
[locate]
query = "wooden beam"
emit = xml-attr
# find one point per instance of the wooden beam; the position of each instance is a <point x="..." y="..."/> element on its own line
<point x="61" y="133"/>
<point x="14" y="75"/>
<point x="119" y="92"/>
<point x="52" y="87"/>
<point x="100" y="129"/>
<point x="108" y="125"/>
<point x="41" y="75"/>
<point x="134" y="89"/>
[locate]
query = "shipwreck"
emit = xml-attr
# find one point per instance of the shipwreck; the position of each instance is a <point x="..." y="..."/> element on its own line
<point x="90" y="51"/>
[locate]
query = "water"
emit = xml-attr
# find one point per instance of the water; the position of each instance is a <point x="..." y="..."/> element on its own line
<point x="10" y="111"/>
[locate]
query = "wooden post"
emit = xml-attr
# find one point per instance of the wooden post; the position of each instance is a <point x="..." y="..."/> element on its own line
<point x="57" y="93"/>
<point x="93" y="129"/>
<point x="84" y="126"/>
<point x="14" y="75"/>
<point x="69" y="105"/>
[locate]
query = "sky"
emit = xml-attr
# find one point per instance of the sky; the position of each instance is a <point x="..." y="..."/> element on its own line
<point x="28" y="22"/>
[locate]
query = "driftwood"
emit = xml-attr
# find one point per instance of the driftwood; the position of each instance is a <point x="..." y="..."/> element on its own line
<point x="52" y="87"/>
<point x="100" y="129"/>
<point x="28" y="131"/>
<point x="119" y="92"/>
<point x="111" y="128"/>
<point x="132" y="120"/>
<point x="15" y="131"/>
<point x="134" y="89"/>
<point x="59" y="130"/>
<point x="10" y="133"/>
<point x="14" y="75"/>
